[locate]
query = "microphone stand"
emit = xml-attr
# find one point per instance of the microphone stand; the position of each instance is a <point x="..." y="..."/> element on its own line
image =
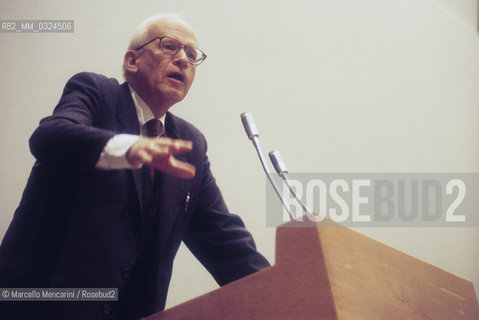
<point x="252" y="132"/>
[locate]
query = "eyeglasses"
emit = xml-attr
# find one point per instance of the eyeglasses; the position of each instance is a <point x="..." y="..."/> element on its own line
<point x="172" y="46"/>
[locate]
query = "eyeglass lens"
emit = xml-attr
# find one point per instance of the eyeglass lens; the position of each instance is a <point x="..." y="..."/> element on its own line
<point x="172" y="46"/>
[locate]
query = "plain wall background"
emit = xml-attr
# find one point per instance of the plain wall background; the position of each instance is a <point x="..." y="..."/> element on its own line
<point x="336" y="86"/>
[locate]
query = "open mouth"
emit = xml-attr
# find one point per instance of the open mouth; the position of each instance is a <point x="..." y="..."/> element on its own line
<point x="176" y="76"/>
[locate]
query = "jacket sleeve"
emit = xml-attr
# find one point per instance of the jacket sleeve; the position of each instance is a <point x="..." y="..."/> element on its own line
<point x="219" y="239"/>
<point x="71" y="136"/>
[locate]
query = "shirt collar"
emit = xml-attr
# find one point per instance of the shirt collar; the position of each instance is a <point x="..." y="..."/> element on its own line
<point x="143" y="111"/>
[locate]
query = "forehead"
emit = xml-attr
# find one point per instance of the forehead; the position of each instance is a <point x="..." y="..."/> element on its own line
<point x="174" y="29"/>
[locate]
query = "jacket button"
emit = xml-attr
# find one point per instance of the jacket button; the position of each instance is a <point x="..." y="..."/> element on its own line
<point x="106" y="308"/>
<point x="125" y="272"/>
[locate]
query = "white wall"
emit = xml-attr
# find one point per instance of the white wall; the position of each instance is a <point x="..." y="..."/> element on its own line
<point x="337" y="86"/>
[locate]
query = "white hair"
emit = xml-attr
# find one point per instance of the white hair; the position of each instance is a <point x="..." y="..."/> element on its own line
<point x="141" y="33"/>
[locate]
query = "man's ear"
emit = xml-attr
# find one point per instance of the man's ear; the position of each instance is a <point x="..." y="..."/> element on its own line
<point x="129" y="61"/>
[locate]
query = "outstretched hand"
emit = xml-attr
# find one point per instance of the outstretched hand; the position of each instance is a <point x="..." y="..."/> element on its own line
<point x="159" y="153"/>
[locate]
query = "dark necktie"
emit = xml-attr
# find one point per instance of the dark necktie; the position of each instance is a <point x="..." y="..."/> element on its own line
<point x="141" y="283"/>
<point x="154" y="128"/>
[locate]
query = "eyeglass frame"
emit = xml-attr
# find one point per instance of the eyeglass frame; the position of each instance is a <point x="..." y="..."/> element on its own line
<point x="203" y="57"/>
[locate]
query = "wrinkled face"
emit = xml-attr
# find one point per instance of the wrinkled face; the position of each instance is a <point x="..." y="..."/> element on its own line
<point x="161" y="78"/>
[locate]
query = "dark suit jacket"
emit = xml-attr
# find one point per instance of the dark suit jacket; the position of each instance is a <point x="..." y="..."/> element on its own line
<point x="82" y="227"/>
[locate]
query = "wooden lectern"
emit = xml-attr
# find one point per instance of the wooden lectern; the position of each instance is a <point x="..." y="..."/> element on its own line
<point x="326" y="271"/>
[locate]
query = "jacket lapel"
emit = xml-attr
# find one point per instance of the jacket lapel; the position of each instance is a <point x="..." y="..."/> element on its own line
<point x="128" y="120"/>
<point x="127" y="116"/>
<point x="173" y="190"/>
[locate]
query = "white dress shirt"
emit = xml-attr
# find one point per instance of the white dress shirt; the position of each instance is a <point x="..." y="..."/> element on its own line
<point x="113" y="155"/>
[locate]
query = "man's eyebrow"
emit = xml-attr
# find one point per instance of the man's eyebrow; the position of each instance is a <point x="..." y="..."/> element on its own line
<point x="191" y="43"/>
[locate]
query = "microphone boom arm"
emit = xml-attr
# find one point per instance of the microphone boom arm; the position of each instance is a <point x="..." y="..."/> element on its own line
<point x="252" y="132"/>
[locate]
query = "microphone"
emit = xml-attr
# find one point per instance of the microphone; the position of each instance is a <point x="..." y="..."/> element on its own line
<point x="281" y="169"/>
<point x="253" y="135"/>
<point x="249" y="126"/>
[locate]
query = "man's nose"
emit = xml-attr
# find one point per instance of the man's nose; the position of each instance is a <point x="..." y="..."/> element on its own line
<point x="180" y="58"/>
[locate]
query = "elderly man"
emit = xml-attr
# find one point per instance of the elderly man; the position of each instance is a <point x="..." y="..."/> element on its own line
<point x="118" y="183"/>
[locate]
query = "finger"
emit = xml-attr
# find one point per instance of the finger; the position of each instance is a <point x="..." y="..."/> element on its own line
<point x="144" y="157"/>
<point x="173" y="146"/>
<point x="154" y="148"/>
<point x="181" y="169"/>
<point x="175" y="167"/>
<point x="181" y="146"/>
<point x="136" y="156"/>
